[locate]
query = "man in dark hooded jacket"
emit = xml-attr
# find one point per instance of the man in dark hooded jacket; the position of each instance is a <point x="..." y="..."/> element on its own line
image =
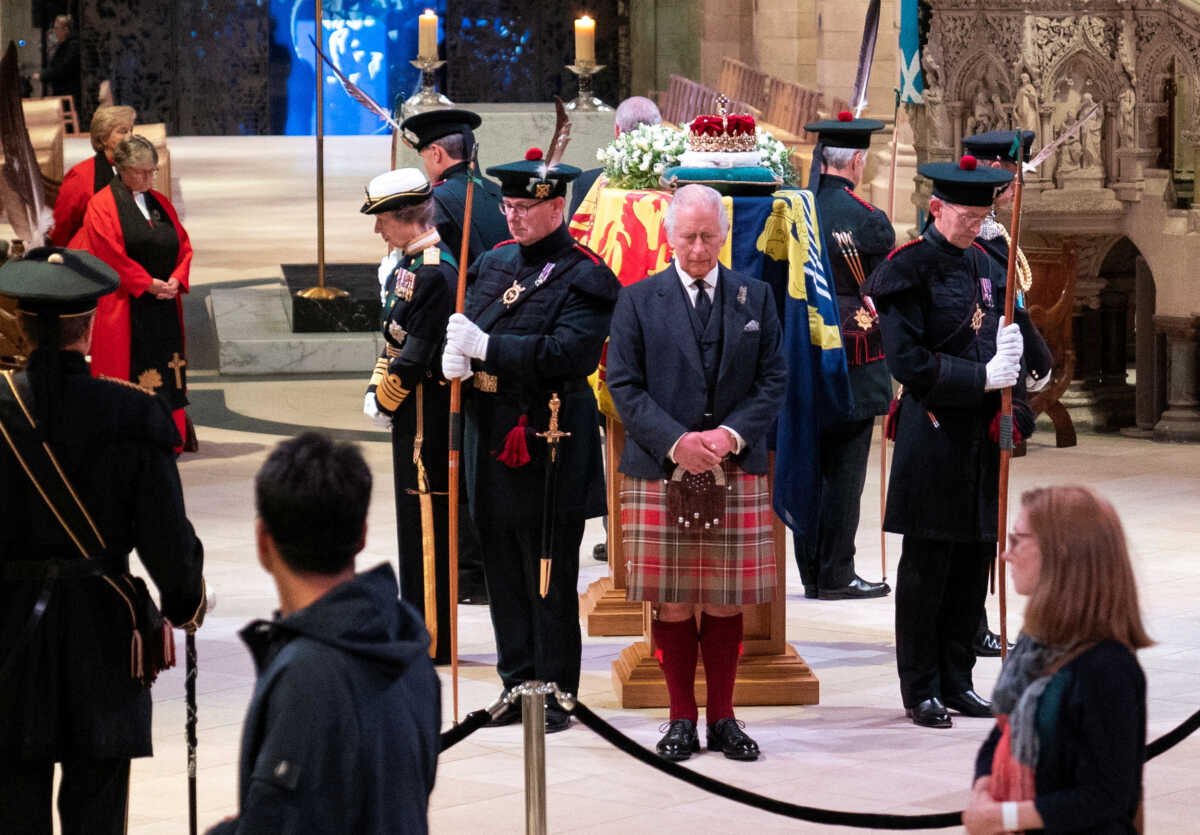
<point x="342" y="732"/>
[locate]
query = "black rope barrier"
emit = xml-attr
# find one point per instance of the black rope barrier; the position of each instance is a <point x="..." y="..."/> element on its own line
<point x="1172" y="738"/>
<point x="769" y="804"/>
<point x="473" y="721"/>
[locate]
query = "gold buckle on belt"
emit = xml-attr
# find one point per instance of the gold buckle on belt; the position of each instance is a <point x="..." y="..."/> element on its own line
<point x="486" y="382"/>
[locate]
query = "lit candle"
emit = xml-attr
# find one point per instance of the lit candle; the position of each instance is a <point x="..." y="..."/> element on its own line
<point x="585" y="40"/>
<point x="427" y="42"/>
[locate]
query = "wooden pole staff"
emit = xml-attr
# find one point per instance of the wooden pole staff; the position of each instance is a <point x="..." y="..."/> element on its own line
<point x="883" y="470"/>
<point x="460" y="298"/>
<point x="1006" y="408"/>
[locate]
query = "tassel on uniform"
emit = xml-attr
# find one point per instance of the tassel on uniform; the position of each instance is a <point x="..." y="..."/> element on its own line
<point x="515" y="452"/>
<point x="994" y="431"/>
<point x="889" y="422"/>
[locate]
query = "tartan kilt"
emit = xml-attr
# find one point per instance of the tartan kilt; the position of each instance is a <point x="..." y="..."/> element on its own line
<point x="733" y="564"/>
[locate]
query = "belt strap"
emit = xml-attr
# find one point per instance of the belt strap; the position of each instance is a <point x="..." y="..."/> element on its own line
<point x="71" y="568"/>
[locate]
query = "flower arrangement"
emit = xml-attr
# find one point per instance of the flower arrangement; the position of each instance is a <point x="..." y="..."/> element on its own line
<point x="776" y="156"/>
<point x="637" y="158"/>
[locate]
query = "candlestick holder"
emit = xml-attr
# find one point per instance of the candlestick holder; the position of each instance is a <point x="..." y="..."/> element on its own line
<point x="585" y="101"/>
<point x="427" y="98"/>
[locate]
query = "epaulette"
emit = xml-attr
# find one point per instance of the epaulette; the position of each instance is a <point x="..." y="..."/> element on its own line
<point x="127" y="384"/>
<point x="505" y="243"/>
<point x="431" y="256"/>
<point x="864" y="203"/>
<point x="593" y="256"/>
<point x="915" y="240"/>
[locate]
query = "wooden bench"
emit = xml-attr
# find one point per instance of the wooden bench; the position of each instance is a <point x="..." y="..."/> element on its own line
<point x="789" y="108"/>
<point x="685" y="100"/>
<point x="744" y="84"/>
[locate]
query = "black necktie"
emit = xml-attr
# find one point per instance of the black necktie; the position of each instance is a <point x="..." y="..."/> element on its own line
<point x="703" y="302"/>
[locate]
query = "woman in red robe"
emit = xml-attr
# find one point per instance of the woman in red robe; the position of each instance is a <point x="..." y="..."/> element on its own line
<point x="139" y="329"/>
<point x="110" y="126"/>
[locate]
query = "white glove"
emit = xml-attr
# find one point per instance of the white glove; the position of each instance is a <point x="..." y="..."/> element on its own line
<point x="1033" y="385"/>
<point x="1002" y="372"/>
<point x="454" y="365"/>
<point x="387" y="264"/>
<point x="1009" y="341"/>
<point x="371" y="410"/>
<point x="464" y="336"/>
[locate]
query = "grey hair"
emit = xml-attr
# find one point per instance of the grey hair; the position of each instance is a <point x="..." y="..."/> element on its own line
<point x="841" y="157"/>
<point x="696" y="195"/>
<point x="636" y="111"/>
<point x="136" y="150"/>
<point x="419" y="213"/>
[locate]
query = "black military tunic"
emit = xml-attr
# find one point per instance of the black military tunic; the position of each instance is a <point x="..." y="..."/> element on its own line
<point x="419" y="299"/>
<point x="826" y="560"/>
<point x="68" y="693"/>
<point x="547" y="339"/>
<point x="488" y="226"/>
<point x="939" y="308"/>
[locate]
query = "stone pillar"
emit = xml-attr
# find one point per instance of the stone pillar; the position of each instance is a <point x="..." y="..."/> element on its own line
<point x="956" y="110"/>
<point x="1181" y="420"/>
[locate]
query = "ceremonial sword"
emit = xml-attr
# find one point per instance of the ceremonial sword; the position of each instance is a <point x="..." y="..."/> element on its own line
<point x="552" y="435"/>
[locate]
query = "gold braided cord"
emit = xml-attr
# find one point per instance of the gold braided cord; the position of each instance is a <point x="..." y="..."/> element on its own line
<point x="1024" y="273"/>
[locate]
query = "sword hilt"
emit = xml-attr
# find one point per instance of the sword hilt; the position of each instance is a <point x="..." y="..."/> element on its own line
<point x="552" y="434"/>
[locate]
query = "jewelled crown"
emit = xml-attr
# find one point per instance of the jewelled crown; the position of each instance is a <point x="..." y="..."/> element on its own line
<point x="722" y="131"/>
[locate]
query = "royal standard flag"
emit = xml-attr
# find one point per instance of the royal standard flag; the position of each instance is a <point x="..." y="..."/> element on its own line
<point x="818" y="386"/>
<point x="912" y="85"/>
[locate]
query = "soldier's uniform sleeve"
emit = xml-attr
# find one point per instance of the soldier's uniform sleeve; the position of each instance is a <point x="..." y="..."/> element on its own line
<point x="424" y="325"/>
<point x="875" y="239"/>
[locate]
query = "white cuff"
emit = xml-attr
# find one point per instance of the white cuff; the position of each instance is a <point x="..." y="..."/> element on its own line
<point x="739" y="443"/>
<point x="1009" y="819"/>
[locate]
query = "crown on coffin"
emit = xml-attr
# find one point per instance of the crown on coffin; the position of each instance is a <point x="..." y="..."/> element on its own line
<point x="722" y="131"/>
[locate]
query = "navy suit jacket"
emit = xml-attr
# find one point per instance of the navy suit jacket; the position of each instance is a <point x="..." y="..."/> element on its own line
<point x="656" y="377"/>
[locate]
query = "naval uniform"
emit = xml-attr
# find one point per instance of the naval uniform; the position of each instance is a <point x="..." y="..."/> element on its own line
<point x="546" y="308"/>
<point x="826" y="561"/>
<point x="418" y="299"/>
<point x="939" y="308"/>
<point x="66" y="691"/>
<point x="488" y="226"/>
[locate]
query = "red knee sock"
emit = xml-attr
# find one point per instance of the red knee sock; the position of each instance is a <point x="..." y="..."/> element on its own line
<point x="676" y="643"/>
<point x="721" y="644"/>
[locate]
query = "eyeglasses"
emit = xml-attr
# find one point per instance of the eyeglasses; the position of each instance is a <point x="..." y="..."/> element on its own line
<point x="966" y="214"/>
<point x="144" y="172"/>
<point x="518" y="209"/>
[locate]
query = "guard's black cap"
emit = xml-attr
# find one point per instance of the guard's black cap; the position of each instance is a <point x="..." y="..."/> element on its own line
<point x="845" y="131"/>
<point x="529" y="177"/>
<point x="423" y="128"/>
<point x="965" y="182"/>
<point x="57" y="280"/>
<point x="998" y="144"/>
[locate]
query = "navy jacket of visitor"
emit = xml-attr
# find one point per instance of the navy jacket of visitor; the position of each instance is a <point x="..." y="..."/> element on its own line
<point x="342" y="734"/>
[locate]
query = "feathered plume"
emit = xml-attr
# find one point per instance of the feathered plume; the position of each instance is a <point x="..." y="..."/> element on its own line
<point x="1067" y="133"/>
<point x="354" y="91"/>
<point x="558" y="142"/>
<point x="866" y="56"/>
<point x="23" y="194"/>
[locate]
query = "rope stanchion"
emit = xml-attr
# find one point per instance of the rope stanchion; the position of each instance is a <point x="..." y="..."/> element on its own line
<point x="768" y="804"/>
<point x="474" y="720"/>
<point x="1172" y="738"/>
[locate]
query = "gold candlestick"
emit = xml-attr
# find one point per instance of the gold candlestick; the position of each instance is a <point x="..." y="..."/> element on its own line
<point x="427" y="98"/>
<point x="585" y="101"/>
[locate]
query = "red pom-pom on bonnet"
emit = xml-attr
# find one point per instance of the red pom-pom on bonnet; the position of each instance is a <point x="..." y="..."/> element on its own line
<point x="533" y="154"/>
<point x="968" y="163"/>
<point x="845" y="116"/>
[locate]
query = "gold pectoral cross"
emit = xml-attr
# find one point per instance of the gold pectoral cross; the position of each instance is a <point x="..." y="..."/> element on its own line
<point x="177" y="364"/>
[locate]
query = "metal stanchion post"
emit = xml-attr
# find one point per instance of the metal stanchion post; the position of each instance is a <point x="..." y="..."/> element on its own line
<point x="533" y="718"/>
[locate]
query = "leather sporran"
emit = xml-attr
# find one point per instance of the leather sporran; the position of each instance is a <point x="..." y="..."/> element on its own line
<point x="696" y="501"/>
<point x="151" y="644"/>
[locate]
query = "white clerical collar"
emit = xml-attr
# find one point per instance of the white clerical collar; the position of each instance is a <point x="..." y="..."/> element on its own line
<point x="710" y="280"/>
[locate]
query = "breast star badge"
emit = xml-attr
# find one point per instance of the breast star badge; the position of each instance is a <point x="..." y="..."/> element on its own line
<point x="512" y="293"/>
<point x="977" y="319"/>
<point x="864" y="319"/>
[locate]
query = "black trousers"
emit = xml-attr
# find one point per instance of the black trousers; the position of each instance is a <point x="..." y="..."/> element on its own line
<point x="536" y="638"/>
<point x="826" y="558"/>
<point x="940" y="590"/>
<point x="93" y="797"/>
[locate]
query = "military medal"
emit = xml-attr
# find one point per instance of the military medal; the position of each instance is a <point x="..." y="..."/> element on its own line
<point x="977" y="318"/>
<point x="404" y="284"/>
<point x="544" y="274"/>
<point x="864" y="319"/>
<point x="986" y="284"/>
<point x="512" y="293"/>
<point x="741" y="295"/>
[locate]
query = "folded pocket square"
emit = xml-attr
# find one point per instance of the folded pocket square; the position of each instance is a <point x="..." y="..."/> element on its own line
<point x="751" y="326"/>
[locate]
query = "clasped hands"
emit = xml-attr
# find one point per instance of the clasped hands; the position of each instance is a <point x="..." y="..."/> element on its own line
<point x="699" y="452"/>
<point x="164" y="289"/>
<point x="464" y="341"/>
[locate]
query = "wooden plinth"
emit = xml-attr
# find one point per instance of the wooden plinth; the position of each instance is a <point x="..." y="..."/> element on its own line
<point x="605" y="611"/>
<point x="780" y="679"/>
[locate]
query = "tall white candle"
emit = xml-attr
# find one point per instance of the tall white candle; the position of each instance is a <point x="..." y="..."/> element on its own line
<point x="585" y="40"/>
<point x="427" y="42"/>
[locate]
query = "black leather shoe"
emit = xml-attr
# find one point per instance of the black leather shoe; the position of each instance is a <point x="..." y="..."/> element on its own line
<point x="680" y="741"/>
<point x="857" y="588"/>
<point x="557" y="719"/>
<point x="511" y="715"/>
<point x="810" y="592"/>
<point x="600" y="552"/>
<point x="726" y="735"/>
<point x="988" y="646"/>
<point x="930" y="713"/>
<point x="970" y="703"/>
<point x="473" y="597"/>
